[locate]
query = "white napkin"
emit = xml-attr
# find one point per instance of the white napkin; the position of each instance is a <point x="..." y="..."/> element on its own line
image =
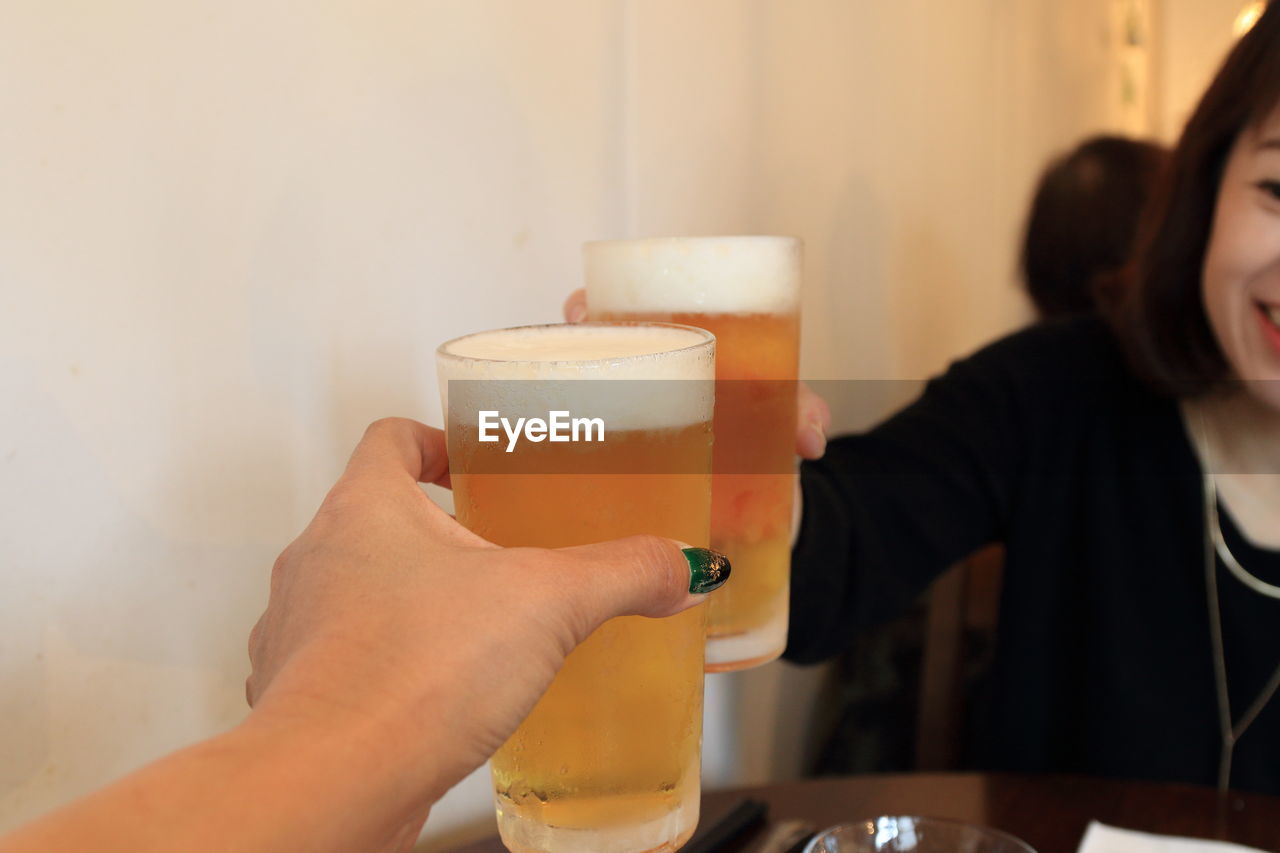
<point x="1100" y="838"/>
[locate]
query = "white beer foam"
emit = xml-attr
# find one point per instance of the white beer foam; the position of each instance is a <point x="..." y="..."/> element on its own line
<point x="705" y="275"/>
<point x="529" y="371"/>
<point x="649" y="350"/>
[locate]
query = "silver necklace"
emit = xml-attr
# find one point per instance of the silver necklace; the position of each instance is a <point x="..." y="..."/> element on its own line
<point x="1216" y="545"/>
<point x="1229" y="560"/>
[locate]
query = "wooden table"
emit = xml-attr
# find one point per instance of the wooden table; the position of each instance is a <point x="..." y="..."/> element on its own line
<point x="1048" y="812"/>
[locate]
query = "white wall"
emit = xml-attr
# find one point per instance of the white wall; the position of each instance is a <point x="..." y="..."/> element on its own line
<point x="231" y="233"/>
<point x="1194" y="37"/>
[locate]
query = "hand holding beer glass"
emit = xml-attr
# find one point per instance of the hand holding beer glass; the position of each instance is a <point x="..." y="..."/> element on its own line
<point x="745" y="290"/>
<point x="609" y="758"/>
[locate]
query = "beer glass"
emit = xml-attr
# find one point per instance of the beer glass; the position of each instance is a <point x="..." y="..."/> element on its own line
<point x="745" y="290"/>
<point x="609" y="758"/>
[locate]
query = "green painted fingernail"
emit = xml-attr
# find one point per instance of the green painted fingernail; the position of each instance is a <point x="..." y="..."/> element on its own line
<point x="708" y="569"/>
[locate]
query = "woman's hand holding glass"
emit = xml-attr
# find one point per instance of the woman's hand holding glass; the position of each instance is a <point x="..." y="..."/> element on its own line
<point x="813" y="415"/>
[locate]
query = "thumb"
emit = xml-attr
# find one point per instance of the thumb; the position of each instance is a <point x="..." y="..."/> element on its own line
<point x="646" y="575"/>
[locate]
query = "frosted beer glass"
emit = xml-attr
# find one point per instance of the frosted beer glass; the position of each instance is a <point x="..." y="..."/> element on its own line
<point x="745" y="290"/>
<point x="609" y="758"/>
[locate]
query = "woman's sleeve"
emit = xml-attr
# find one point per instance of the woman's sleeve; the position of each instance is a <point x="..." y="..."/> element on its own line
<point x="887" y="511"/>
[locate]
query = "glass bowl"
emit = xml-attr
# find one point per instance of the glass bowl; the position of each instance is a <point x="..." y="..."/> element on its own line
<point x="918" y="834"/>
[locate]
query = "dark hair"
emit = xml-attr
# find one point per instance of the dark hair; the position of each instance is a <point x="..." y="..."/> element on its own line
<point x="1084" y="218"/>
<point x="1160" y="317"/>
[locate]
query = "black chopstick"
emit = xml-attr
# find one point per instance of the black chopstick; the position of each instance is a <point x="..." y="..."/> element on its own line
<point x="742" y="817"/>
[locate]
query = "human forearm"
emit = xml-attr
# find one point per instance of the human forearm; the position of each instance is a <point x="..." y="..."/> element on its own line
<point x="272" y="783"/>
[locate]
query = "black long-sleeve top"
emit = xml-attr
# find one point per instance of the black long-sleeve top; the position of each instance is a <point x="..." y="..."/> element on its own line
<point x="1045" y="442"/>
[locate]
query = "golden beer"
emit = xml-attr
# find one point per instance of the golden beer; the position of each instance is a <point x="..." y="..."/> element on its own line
<point x="745" y="290"/>
<point x="609" y="758"/>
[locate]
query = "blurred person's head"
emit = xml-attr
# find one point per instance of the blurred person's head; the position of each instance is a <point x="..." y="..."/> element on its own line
<point x="1203" y="298"/>
<point x="1083" y="220"/>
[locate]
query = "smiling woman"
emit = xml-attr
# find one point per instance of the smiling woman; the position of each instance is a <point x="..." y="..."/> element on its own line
<point x="1213" y="241"/>
<point x="1240" y="424"/>
<point x="1204" y="321"/>
<point x="1242" y="267"/>
<point x="1131" y="470"/>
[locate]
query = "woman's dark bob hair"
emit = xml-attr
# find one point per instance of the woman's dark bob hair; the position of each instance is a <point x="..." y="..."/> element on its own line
<point x="1160" y="317"/>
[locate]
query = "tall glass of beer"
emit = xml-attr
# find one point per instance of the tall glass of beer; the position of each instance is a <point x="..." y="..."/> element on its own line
<point x="609" y="758"/>
<point x="746" y="290"/>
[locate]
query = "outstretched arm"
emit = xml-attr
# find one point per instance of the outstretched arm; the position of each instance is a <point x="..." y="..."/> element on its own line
<point x="397" y="651"/>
